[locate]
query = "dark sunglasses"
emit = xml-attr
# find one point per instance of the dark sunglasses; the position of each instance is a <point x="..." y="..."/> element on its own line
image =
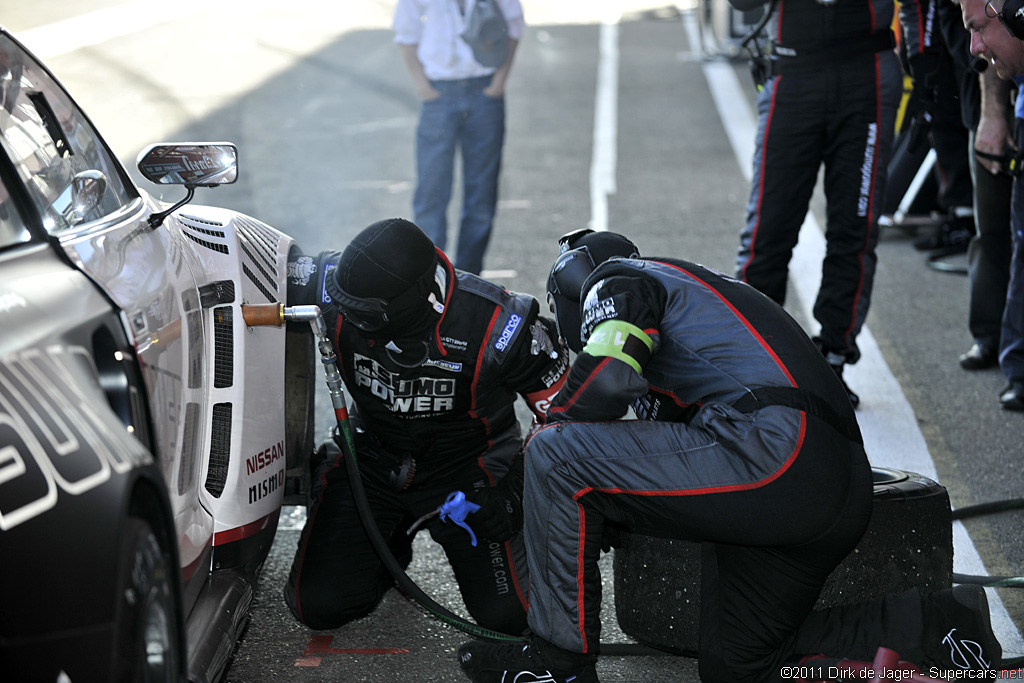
<point x="368" y="314"/>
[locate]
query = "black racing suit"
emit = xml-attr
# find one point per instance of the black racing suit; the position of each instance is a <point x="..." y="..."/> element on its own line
<point x="935" y="43"/>
<point x="831" y="94"/>
<point x="747" y="442"/>
<point x="424" y="432"/>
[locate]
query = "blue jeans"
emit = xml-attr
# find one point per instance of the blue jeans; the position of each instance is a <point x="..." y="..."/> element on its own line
<point x="1011" y="343"/>
<point x="461" y="117"/>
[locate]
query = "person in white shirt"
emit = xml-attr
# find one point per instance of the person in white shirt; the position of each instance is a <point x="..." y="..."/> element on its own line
<point x="462" y="94"/>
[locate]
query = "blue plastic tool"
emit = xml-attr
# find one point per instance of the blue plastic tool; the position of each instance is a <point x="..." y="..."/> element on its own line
<point x="456" y="507"/>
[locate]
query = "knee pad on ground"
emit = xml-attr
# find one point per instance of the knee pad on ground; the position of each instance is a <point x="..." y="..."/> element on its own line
<point x="322" y="612"/>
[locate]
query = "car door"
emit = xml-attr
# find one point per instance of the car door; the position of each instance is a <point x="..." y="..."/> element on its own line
<point x="85" y="200"/>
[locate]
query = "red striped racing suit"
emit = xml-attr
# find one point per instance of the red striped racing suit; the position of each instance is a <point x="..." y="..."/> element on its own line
<point x="830" y="98"/>
<point x="749" y="445"/>
<point x="448" y="424"/>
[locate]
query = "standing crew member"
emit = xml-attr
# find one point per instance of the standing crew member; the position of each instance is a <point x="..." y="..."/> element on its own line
<point x="746" y="443"/>
<point x="433" y="359"/>
<point x="830" y="90"/>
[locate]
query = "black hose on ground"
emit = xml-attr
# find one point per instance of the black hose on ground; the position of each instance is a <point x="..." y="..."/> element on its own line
<point x="988" y="509"/>
<point x="345" y="442"/>
<point x="384" y="552"/>
<point x="413" y="591"/>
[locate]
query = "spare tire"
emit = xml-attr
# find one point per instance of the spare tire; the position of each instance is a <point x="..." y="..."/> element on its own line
<point x="908" y="544"/>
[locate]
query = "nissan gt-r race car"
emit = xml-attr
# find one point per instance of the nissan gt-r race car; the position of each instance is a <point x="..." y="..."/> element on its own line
<point x="147" y="434"/>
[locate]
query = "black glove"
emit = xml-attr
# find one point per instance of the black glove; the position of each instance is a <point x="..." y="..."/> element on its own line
<point x="500" y="516"/>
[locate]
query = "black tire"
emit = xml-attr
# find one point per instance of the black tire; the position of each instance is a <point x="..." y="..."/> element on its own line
<point x="300" y="378"/>
<point x="909" y="544"/>
<point x="148" y="632"/>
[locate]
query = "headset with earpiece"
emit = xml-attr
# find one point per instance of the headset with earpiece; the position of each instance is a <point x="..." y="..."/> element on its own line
<point x="1012" y="17"/>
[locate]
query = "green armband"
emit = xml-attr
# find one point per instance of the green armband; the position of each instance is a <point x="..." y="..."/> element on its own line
<point x="621" y="340"/>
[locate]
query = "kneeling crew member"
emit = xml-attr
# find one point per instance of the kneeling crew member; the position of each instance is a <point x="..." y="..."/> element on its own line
<point x="433" y="359"/>
<point x="746" y="443"/>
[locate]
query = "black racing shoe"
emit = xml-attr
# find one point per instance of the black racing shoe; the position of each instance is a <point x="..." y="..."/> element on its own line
<point x="854" y="398"/>
<point x="957" y="631"/>
<point x="979" y="357"/>
<point x="837" y="361"/>
<point x="1012" y="397"/>
<point x="521" y="662"/>
<point x="951" y="237"/>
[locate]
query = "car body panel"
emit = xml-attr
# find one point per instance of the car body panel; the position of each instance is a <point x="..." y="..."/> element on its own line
<point x="130" y="385"/>
<point x="66" y="468"/>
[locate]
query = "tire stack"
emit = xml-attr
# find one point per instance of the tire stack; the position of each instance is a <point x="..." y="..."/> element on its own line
<point x="908" y="544"/>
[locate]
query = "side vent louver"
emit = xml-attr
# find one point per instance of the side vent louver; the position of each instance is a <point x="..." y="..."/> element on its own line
<point x="259" y="244"/>
<point x="189" y="449"/>
<point x="193" y="321"/>
<point x="220" y="450"/>
<point x="209" y="229"/>
<point x="223" y="347"/>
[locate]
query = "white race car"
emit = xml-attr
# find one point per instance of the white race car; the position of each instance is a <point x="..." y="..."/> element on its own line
<point x="147" y="434"/>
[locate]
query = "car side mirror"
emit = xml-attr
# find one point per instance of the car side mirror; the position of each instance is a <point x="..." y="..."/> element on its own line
<point x="199" y="164"/>
<point x="192" y="164"/>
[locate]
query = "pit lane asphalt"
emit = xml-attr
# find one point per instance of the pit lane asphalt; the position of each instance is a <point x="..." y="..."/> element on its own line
<point x="323" y="113"/>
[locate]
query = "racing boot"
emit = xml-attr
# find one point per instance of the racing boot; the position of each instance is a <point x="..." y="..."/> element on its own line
<point x="950" y="237"/>
<point x="838" y="369"/>
<point x="957" y="632"/>
<point x="837" y="361"/>
<point x="534" y="661"/>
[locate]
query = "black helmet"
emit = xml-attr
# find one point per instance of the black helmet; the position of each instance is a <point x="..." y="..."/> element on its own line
<point x="580" y="252"/>
<point x="386" y="283"/>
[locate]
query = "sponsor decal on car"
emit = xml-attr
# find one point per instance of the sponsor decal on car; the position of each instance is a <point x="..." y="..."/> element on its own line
<point x="265" y="487"/>
<point x="264" y="458"/>
<point x="56" y="439"/>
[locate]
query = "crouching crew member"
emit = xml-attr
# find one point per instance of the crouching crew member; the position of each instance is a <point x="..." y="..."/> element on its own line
<point x="747" y="443"/>
<point x="433" y="359"/>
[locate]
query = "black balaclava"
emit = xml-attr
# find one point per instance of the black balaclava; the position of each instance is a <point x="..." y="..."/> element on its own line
<point x="390" y="284"/>
<point x="580" y="252"/>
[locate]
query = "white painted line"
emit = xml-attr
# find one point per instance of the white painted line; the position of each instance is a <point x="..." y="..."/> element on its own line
<point x="506" y="274"/>
<point x="892" y="437"/>
<point x="602" y="165"/>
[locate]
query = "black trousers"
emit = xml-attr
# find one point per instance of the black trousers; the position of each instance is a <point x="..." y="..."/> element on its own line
<point x="777" y="503"/>
<point x="949" y="139"/>
<point x="841" y="117"/>
<point x="337" y="576"/>
<point x="988" y="256"/>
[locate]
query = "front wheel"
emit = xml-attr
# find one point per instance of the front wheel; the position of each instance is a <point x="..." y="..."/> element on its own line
<point x="148" y="643"/>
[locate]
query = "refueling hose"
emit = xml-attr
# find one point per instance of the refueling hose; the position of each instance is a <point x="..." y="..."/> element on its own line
<point x="988" y="509"/>
<point x="276" y="314"/>
<point x="408" y="586"/>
